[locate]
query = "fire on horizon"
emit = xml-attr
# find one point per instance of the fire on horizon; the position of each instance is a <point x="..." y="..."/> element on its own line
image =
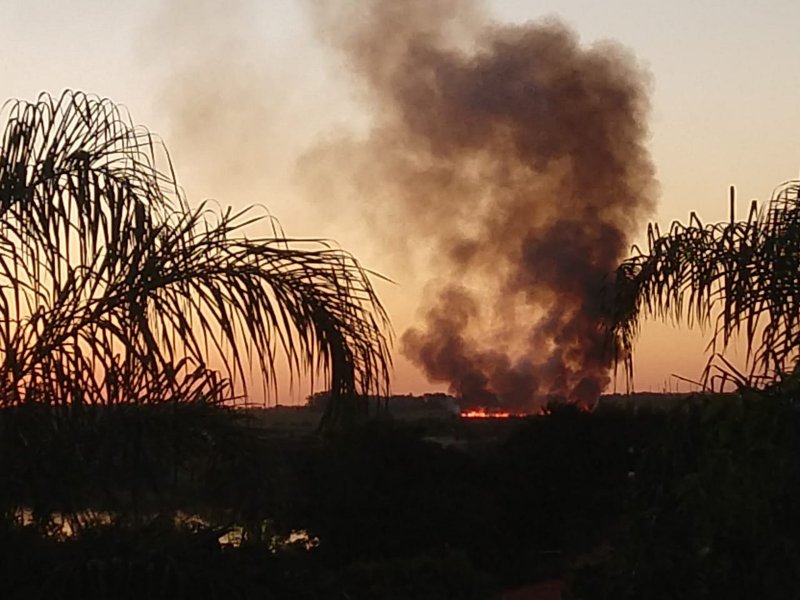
<point x="521" y="156"/>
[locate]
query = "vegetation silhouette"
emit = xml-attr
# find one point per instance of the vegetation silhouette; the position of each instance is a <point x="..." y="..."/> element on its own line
<point x="709" y="511"/>
<point x="124" y="473"/>
<point x="734" y="277"/>
<point x="121" y="459"/>
<point x="115" y="290"/>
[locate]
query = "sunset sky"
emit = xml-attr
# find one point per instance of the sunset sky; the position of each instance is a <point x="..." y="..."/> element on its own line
<point x="241" y="95"/>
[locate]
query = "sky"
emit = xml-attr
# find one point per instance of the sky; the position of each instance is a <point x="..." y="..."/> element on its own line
<point x="241" y="91"/>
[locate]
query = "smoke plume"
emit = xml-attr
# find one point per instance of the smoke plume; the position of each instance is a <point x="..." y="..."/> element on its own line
<point x="234" y="85"/>
<point x="519" y="157"/>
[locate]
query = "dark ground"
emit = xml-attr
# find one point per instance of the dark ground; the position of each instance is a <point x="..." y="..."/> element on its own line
<point x="692" y="502"/>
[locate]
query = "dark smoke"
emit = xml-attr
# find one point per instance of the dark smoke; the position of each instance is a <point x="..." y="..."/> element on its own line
<point x="521" y="155"/>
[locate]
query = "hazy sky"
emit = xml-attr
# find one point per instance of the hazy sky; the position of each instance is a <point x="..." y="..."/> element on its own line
<point x="725" y="84"/>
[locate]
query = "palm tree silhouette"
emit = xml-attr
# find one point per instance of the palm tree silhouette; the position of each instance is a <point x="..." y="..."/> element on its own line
<point x="734" y="277"/>
<point x="113" y="289"/>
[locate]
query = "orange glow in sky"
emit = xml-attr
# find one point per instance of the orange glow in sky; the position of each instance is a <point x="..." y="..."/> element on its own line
<point x="239" y="94"/>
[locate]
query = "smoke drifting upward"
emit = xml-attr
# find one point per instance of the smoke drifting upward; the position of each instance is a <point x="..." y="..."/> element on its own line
<point x="522" y="156"/>
<point x="237" y="107"/>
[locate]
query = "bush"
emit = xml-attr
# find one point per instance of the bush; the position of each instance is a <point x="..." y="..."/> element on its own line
<point x="713" y="511"/>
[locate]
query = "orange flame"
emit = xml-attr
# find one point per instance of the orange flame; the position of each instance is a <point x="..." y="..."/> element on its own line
<point x="482" y="413"/>
<point x="489" y="413"/>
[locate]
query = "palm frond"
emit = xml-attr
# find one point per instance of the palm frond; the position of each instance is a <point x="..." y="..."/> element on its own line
<point x="112" y="288"/>
<point x="735" y="277"/>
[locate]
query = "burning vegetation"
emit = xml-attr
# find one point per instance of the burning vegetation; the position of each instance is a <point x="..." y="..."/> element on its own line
<point x="519" y="156"/>
<point x="482" y="413"/>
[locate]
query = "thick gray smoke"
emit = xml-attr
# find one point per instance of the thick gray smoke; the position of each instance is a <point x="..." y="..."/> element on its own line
<point x="520" y="156"/>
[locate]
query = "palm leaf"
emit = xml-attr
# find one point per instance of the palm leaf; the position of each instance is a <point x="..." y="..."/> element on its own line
<point x="735" y="277"/>
<point x="114" y="289"/>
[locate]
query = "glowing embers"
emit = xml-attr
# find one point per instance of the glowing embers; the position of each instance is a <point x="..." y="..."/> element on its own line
<point x="486" y="413"/>
<point x="494" y="413"/>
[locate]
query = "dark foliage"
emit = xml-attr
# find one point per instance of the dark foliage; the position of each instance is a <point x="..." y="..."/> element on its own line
<point x="521" y="508"/>
<point x="736" y="277"/>
<point x="712" y="513"/>
<point x="120" y="466"/>
<point x="382" y="492"/>
<point x="562" y="485"/>
<point x="113" y="289"/>
<point x="694" y="503"/>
